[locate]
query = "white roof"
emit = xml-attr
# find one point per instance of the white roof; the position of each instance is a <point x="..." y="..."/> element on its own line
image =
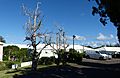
<point x="75" y="47"/>
<point x="1" y="43"/>
<point x="86" y="48"/>
<point x="40" y="46"/>
<point x="19" y="45"/>
<point x="110" y="49"/>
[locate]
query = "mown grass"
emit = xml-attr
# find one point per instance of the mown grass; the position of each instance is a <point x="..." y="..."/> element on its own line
<point x="11" y="72"/>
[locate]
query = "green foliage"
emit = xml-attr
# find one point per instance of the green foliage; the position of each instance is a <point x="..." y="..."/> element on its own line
<point x="63" y="56"/>
<point x="108" y="10"/>
<point x="46" y="61"/>
<point x="9" y="64"/>
<point x="2" y="39"/>
<point x="13" y="53"/>
<point x="24" y="55"/>
<point x="2" y="66"/>
<point x="74" y="56"/>
<point x="10" y="51"/>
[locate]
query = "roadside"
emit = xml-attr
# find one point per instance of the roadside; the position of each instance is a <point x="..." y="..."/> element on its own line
<point x="89" y="68"/>
<point x="111" y="61"/>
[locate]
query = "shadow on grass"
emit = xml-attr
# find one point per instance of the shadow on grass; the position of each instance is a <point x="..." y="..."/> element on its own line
<point x="91" y="70"/>
<point x="66" y="71"/>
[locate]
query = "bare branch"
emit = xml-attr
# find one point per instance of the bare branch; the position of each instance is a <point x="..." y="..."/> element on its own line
<point x="54" y="48"/>
<point x="41" y="50"/>
<point x="26" y="11"/>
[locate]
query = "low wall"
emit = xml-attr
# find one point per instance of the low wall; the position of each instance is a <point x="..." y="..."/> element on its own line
<point x="26" y="64"/>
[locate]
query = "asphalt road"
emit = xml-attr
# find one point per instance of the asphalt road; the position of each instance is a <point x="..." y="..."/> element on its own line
<point x="91" y="68"/>
<point x="112" y="61"/>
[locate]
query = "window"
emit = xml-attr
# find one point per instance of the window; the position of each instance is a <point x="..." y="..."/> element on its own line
<point x="46" y="52"/>
<point x="97" y="52"/>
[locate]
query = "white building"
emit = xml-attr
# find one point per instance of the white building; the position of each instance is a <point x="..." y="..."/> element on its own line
<point x="79" y="48"/>
<point x="48" y="51"/>
<point x="114" y="49"/>
<point x="1" y="51"/>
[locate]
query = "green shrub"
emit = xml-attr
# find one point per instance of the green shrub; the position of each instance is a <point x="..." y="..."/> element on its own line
<point x="5" y="57"/>
<point x="46" y="61"/>
<point x="2" y="66"/>
<point x="10" y="63"/>
<point x="74" y="56"/>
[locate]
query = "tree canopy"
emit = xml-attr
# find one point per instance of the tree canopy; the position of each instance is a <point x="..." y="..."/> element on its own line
<point x="9" y="51"/>
<point x="108" y="10"/>
<point x="2" y="39"/>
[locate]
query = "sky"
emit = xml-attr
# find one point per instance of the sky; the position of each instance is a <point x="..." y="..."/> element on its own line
<point x="74" y="16"/>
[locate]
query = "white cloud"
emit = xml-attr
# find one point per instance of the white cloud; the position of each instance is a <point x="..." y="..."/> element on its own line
<point x="111" y="36"/>
<point x="103" y="37"/>
<point x="93" y="44"/>
<point x="79" y="37"/>
<point x="116" y="38"/>
<point x="76" y="37"/>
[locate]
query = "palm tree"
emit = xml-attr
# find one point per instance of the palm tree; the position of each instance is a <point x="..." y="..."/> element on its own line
<point x="2" y="39"/>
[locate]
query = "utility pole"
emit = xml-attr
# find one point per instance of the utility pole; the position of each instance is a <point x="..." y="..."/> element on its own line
<point x="73" y="41"/>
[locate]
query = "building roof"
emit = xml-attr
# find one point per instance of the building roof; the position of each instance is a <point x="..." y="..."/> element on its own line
<point x="1" y="43"/>
<point x="19" y="45"/>
<point x="110" y="49"/>
<point x="40" y="46"/>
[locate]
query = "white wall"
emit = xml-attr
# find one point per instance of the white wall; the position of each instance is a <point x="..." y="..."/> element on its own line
<point x="26" y="64"/>
<point x="1" y="51"/>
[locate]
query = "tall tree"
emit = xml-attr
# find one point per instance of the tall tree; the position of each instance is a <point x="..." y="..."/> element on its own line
<point x="108" y="10"/>
<point x="33" y="33"/>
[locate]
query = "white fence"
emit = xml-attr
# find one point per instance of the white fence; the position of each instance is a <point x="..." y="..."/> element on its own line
<point x="26" y="64"/>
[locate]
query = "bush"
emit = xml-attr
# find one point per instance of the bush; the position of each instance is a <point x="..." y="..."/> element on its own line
<point x="9" y="64"/>
<point x="2" y="66"/>
<point x="75" y="57"/>
<point x="5" y="58"/>
<point x="46" y="61"/>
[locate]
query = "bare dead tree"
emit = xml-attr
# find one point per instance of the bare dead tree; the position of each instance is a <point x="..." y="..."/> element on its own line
<point x="33" y="34"/>
<point x="60" y="44"/>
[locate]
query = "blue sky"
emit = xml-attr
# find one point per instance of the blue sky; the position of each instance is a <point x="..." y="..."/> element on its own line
<point x="73" y="15"/>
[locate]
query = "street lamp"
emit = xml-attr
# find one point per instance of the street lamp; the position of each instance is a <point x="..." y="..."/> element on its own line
<point x="73" y="41"/>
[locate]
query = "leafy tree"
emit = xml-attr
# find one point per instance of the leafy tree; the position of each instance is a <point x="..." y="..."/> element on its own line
<point x="108" y="10"/>
<point x="24" y="55"/>
<point x="10" y="51"/>
<point x="2" y="39"/>
<point x="15" y="54"/>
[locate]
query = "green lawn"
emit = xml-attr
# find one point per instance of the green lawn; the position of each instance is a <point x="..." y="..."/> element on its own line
<point x="10" y="73"/>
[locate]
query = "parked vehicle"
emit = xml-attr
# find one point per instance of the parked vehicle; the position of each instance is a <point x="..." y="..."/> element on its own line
<point x="97" y="55"/>
<point x="117" y="55"/>
<point x="114" y="54"/>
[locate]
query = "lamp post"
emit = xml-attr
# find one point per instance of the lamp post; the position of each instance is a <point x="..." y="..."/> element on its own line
<point x="73" y="41"/>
